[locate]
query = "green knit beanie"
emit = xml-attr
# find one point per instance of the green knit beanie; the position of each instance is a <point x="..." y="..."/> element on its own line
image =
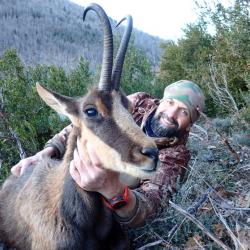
<point x="189" y="93"/>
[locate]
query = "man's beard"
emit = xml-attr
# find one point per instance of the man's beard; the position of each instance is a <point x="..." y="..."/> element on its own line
<point x="161" y="130"/>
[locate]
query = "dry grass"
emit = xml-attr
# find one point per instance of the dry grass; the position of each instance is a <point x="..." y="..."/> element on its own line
<point x="216" y="194"/>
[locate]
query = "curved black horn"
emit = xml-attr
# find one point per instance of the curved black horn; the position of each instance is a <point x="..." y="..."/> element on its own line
<point x="120" y="57"/>
<point x="107" y="59"/>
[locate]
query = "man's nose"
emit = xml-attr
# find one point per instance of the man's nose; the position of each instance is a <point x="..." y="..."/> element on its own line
<point x="172" y="113"/>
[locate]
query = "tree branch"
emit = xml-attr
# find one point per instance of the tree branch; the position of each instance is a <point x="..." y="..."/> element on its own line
<point x="192" y="210"/>
<point x="22" y="152"/>
<point x="199" y="224"/>
<point x="236" y="241"/>
<point x="12" y="132"/>
<point x="158" y="242"/>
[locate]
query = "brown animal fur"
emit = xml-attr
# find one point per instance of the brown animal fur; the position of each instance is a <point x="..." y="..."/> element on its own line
<point x="45" y="209"/>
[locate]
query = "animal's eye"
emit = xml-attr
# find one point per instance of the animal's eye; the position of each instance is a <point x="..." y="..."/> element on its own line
<point x="91" y="112"/>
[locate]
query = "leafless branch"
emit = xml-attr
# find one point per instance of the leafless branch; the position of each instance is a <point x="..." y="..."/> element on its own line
<point x="236" y="241"/>
<point x="218" y="88"/>
<point x="6" y="138"/>
<point x="195" y="135"/>
<point x="229" y="207"/>
<point x="22" y="152"/>
<point x="1" y="100"/>
<point x="224" y="139"/>
<point x="199" y="224"/>
<point x="201" y="129"/>
<point x="192" y="210"/>
<point x="12" y="132"/>
<point x="198" y="244"/>
<point x="226" y="142"/>
<point x="147" y="246"/>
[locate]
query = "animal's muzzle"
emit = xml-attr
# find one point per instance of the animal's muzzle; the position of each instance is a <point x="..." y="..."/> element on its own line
<point x="153" y="154"/>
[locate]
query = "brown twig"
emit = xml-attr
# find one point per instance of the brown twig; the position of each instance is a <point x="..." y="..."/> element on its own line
<point x="192" y="210"/>
<point x="236" y="241"/>
<point x="15" y="136"/>
<point x="22" y="152"/>
<point x="195" y="135"/>
<point x="225" y="140"/>
<point x="158" y="242"/>
<point x="198" y="224"/>
<point x="6" y="138"/>
<point x="218" y="87"/>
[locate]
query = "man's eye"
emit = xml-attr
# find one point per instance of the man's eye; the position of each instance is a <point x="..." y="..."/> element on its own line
<point x="91" y="112"/>
<point x="184" y="112"/>
<point x="169" y="101"/>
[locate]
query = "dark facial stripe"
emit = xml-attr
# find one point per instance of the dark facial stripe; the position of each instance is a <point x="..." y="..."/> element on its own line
<point x="125" y="101"/>
<point x="110" y="133"/>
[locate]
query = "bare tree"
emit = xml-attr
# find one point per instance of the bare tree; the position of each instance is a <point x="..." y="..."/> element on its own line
<point x="14" y="135"/>
<point x="218" y="88"/>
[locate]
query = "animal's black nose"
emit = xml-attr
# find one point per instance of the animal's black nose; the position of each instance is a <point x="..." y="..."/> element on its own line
<point x="151" y="152"/>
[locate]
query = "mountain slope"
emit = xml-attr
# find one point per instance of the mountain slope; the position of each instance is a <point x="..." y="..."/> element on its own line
<point x="52" y="32"/>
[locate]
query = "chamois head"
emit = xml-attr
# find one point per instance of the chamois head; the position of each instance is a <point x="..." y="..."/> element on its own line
<point x="102" y="115"/>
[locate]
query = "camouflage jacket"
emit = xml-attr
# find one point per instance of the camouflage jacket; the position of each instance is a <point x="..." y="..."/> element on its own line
<point x="173" y="156"/>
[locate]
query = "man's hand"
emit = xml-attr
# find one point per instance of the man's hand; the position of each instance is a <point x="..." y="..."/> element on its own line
<point x="31" y="161"/>
<point x="87" y="171"/>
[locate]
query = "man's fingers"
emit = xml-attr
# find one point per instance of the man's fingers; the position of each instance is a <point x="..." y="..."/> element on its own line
<point x="24" y="167"/>
<point x="76" y="156"/>
<point x="82" y="152"/>
<point x="20" y="167"/>
<point x="93" y="156"/>
<point x="80" y="164"/>
<point x="74" y="173"/>
<point x="81" y="179"/>
<point x="16" y="170"/>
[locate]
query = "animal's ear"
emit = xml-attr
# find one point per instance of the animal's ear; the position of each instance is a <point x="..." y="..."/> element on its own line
<point x="62" y="104"/>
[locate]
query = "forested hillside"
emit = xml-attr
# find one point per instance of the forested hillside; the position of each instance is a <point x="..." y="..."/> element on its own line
<point x="52" y="32"/>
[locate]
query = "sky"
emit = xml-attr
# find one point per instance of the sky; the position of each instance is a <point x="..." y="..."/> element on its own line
<point x="162" y="18"/>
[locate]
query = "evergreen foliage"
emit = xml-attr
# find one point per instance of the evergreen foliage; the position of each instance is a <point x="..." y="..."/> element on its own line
<point x="137" y="73"/>
<point x="219" y="62"/>
<point x="24" y="113"/>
